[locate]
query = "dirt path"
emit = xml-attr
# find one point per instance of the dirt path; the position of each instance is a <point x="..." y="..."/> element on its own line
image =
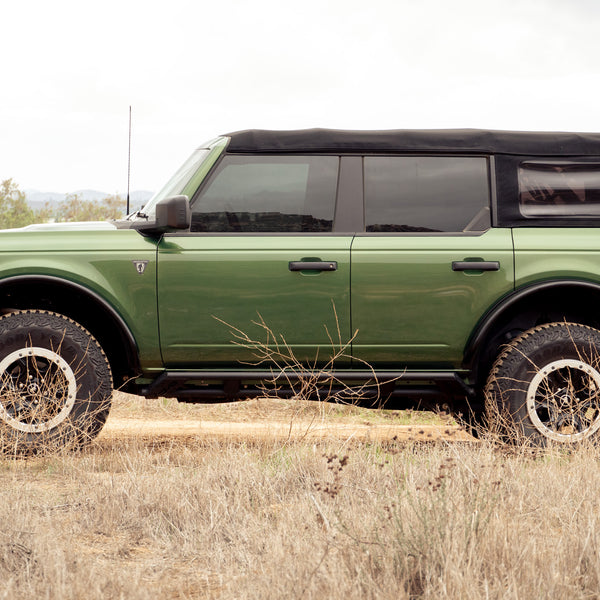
<point x="277" y="430"/>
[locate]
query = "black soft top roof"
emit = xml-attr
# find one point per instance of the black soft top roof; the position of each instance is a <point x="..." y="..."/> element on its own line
<point x="416" y="140"/>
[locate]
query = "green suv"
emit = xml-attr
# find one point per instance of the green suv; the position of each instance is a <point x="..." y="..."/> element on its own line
<point x="457" y="266"/>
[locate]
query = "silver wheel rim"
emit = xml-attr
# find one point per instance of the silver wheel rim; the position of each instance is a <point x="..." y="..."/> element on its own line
<point x="37" y="390"/>
<point x="563" y="400"/>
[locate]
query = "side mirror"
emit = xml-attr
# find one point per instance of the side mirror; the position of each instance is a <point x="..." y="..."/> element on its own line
<point x="172" y="214"/>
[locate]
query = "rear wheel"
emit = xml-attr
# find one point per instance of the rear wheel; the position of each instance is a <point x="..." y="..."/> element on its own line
<point x="55" y="383"/>
<point x="546" y="384"/>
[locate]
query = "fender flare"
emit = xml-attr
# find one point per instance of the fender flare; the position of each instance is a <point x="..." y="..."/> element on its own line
<point x="486" y="325"/>
<point x="124" y="331"/>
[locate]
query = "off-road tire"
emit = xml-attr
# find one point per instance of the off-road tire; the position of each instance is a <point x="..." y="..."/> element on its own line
<point x="545" y="385"/>
<point x="55" y="383"/>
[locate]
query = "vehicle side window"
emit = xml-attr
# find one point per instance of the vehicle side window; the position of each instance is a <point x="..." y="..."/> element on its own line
<point x="268" y="194"/>
<point x="426" y="193"/>
<point x="559" y="189"/>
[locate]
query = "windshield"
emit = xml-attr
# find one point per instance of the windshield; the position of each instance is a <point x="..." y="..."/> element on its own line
<point x="190" y="172"/>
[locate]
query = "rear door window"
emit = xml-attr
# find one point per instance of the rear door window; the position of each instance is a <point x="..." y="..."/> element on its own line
<point x="426" y="194"/>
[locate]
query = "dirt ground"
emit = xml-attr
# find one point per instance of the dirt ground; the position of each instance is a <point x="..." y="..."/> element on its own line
<point x="273" y="419"/>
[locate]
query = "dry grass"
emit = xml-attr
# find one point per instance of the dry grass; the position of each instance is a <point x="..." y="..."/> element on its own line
<point x="185" y="518"/>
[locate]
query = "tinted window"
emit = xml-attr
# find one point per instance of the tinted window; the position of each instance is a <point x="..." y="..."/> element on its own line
<point x="559" y="190"/>
<point x="426" y="193"/>
<point x="269" y="194"/>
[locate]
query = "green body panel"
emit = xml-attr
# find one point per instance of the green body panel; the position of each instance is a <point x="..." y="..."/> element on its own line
<point x="543" y="254"/>
<point x="243" y="278"/>
<point x="410" y="308"/>
<point x="101" y="261"/>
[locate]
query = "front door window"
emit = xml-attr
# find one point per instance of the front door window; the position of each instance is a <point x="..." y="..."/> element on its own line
<point x="284" y="194"/>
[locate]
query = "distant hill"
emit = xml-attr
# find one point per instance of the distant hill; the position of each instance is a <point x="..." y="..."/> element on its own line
<point x="37" y="199"/>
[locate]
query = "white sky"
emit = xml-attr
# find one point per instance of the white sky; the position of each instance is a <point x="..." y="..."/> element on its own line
<point x="193" y="69"/>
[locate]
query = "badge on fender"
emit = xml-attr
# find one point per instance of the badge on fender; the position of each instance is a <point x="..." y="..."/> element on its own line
<point x="140" y="265"/>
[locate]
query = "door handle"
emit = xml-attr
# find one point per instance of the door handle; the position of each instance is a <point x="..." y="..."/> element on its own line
<point x="321" y="265"/>
<point x="476" y="265"/>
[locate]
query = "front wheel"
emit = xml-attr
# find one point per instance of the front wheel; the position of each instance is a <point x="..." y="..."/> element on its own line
<point x="547" y="384"/>
<point x="55" y="383"/>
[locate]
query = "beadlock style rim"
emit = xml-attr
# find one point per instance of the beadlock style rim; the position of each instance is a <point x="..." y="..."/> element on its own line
<point x="37" y="390"/>
<point x="563" y="400"/>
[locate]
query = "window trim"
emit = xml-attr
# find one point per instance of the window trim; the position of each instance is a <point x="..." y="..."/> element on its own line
<point x="349" y="213"/>
<point x="349" y="216"/>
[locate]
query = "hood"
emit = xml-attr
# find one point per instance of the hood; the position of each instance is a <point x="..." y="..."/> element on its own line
<point x="71" y="226"/>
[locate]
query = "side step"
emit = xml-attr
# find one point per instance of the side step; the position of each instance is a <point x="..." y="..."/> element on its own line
<point x="225" y="386"/>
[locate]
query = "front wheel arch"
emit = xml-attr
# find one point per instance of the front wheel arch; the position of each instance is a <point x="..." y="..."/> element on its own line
<point x="45" y="292"/>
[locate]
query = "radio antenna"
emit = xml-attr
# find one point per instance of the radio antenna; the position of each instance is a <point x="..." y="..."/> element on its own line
<point x="129" y="162"/>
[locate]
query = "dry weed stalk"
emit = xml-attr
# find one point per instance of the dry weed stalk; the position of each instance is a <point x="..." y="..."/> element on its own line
<point x="313" y="381"/>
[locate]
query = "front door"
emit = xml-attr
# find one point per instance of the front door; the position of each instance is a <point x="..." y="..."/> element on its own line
<point x="259" y="277"/>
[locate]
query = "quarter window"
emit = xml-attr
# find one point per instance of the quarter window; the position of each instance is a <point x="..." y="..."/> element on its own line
<point x="560" y="189"/>
<point x="426" y="193"/>
<point x="268" y="194"/>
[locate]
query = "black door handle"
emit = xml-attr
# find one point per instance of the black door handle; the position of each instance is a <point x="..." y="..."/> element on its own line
<point x="299" y="265"/>
<point x="475" y="265"/>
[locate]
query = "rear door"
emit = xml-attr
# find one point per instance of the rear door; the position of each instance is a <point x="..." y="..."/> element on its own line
<point x="428" y="266"/>
<point x="260" y="269"/>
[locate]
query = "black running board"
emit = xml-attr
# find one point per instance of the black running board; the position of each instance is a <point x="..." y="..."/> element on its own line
<point x="211" y="386"/>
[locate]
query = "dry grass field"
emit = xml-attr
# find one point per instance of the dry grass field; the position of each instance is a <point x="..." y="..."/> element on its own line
<point x="158" y="513"/>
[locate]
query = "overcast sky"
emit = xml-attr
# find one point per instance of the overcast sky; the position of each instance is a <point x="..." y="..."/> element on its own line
<point x="194" y="69"/>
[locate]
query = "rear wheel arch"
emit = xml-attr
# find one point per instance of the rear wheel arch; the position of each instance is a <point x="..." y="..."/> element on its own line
<point x="83" y="306"/>
<point x="536" y="304"/>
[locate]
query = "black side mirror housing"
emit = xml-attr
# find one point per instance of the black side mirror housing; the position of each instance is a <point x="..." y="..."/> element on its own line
<point x="172" y="214"/>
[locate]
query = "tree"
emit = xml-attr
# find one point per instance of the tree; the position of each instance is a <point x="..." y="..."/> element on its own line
<point x="14" y="210"/>
<point x="74" y="208"/>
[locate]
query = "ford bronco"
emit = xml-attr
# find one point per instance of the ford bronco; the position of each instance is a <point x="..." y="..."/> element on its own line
<point x="457" y="266"/>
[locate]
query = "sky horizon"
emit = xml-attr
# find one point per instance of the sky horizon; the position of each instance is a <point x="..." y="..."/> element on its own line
<point x="194" y="70"/>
